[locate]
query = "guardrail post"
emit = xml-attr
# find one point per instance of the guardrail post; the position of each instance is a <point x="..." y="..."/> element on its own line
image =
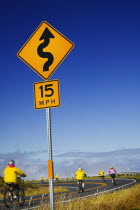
<point x="42" y="199"/>
<point x="30" y="200"/>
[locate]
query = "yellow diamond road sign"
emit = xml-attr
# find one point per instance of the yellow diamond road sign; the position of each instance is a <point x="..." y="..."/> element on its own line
<point x="45" y="50"/>
<point x="46" y="94"/>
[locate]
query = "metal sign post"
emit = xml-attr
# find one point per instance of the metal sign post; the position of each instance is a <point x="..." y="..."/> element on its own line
<point x="50" y="163"/>
<point x="46" y="93"/>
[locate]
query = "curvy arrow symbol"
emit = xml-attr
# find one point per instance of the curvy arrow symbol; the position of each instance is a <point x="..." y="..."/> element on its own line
<point x="46" y="36"/>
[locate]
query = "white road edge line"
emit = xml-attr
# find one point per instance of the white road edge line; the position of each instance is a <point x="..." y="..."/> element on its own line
<point x="134" y="181"/>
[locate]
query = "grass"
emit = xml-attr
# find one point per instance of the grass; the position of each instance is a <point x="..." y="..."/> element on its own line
<point x="40" y="191"/>
<point x="43" y="190"/>
<point x="30" y="189"/>
<point x="128" y="199"/>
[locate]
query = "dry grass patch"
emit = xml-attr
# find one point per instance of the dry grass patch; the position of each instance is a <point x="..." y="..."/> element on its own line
<point x="122" y="200"/>
<point x="43" y="190"/>
<point x="1" y="195"/>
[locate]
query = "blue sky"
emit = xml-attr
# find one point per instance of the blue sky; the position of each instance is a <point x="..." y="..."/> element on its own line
<point x="99" y="85"/>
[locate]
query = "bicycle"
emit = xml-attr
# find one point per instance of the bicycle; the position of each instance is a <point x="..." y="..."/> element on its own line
<point x="113" y="176"/>
<point x="11" y="192"/>
<point x="80" y="187"/>
<point x="42" y="182"/>
<point x="113" y="181"/>
<point x="102" y="178"/>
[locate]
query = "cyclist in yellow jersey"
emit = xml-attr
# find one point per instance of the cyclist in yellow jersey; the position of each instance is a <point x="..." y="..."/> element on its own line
<point x="80" y="174"/>
<point x="57" y="178"/>
<point x="101" y="174"/>
<point x="42" y="179"/>
<point x="11" y="173"/>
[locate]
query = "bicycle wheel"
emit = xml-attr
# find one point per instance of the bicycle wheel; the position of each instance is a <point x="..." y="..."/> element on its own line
<point x="21" y="196"/>
<point x="8" y="198"/>
<point x="114" y="182"/>
<point x="80" y="187"/>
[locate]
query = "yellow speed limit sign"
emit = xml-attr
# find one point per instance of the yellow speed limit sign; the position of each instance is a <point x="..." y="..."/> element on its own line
<point x="45" y="50"/>
<point x="46" y="94"/>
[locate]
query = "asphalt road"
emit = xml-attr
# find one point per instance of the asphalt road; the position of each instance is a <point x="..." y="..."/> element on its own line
<point x="91" y="187"/>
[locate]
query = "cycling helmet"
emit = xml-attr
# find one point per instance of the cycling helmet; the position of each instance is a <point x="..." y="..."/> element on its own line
<point x="111" y="167"/>
<point x="11" y="162"/>
<point x="79" y="168"/>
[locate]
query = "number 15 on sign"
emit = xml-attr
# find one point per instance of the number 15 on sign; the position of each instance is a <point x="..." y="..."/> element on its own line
<point x="47" y="94"/>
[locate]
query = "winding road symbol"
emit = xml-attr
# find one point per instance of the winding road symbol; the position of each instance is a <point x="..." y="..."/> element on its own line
<point x="45" y="50"/>
<point x="46" y="36"/>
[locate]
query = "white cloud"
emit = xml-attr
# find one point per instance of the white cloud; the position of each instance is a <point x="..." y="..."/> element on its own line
<point x="66" y="164"/>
